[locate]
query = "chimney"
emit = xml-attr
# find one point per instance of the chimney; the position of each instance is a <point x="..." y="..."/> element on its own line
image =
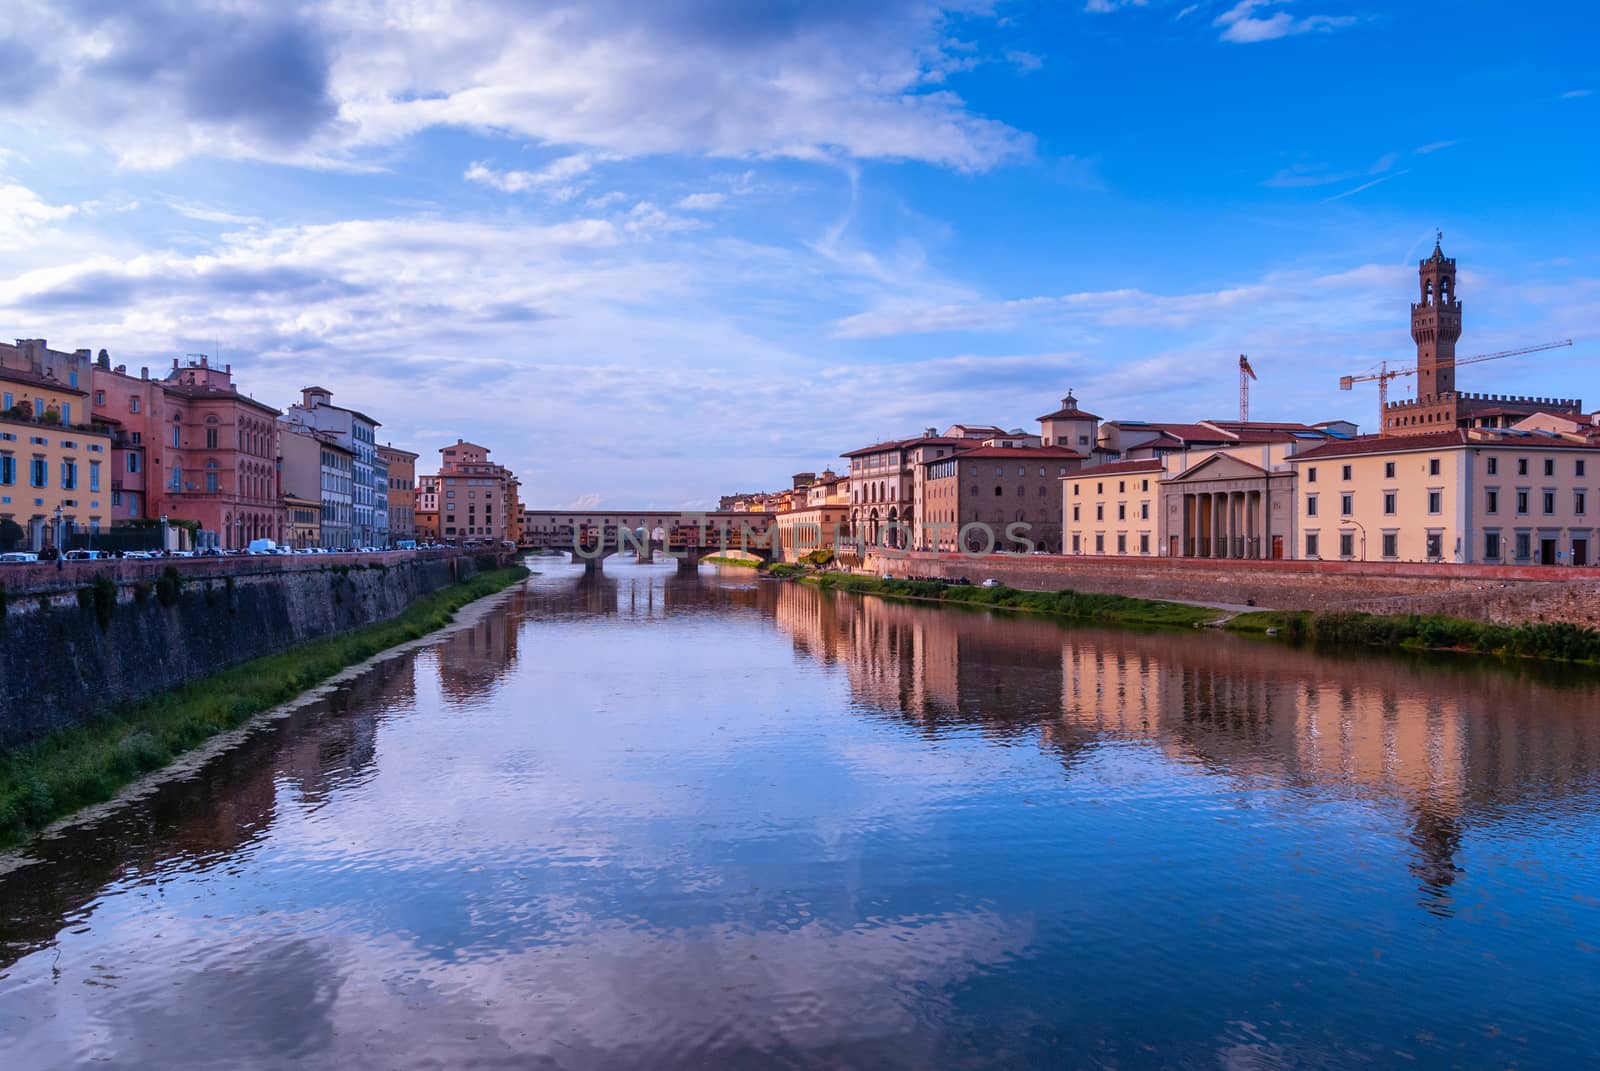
<point x="174" y="364"/>
<point x="931" y="432"/>
<point x="144" y="373"/>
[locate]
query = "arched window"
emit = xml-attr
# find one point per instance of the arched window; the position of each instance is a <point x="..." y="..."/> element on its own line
<point x="211" y="477"/>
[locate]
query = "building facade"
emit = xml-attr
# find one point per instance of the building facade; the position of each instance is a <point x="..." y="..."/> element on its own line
<point x="1473" y="495"/>
<point x="427" y="512"/>
<point x="316" y="467"/>
<point x="54" y="463"/>
<point x="996" y="498"/>
<point x="402" y="491"/>
<point x="819" y="518"/>
<point x="357" y="433"/>
<point x="476" y="497"/>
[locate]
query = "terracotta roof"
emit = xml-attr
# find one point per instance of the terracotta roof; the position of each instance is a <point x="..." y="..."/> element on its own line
<point x="19" y="376"/>
<point x="1380" y="444"/>
<point x="1113" y="468"/>
<point x="1068" y="414"/>
<point x="1036" y="453"/>
<point x="896" y="444"/>
<point x="1185" y="432"/>
<point x="198" y="393"/>
<point x="1500" y="438"/>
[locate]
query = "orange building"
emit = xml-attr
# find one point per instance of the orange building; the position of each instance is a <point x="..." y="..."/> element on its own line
<point x="477" y="498"/>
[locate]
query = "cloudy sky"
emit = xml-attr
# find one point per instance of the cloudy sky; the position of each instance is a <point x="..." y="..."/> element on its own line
<point x="652" y="252"/>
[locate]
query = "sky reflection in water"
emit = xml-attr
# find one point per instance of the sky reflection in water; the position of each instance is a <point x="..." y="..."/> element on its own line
<point x="651" y="820"/>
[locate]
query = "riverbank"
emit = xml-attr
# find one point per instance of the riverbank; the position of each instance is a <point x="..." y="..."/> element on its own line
<point x="1078" y="606"/>
<point x="77" y="767"/>
<point x="739" y="563"/>
<point x="1548" y="641"/>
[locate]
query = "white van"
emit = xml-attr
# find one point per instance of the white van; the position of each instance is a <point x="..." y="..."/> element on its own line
<point x="17" y="557"/>
<point x="85" y="555"/>
<point x="263" y="546"/>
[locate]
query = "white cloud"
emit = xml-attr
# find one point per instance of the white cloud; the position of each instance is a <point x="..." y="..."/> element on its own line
<point x="327" y="85"/>
<point x="22" y="212"/>
<point x="701" y="202"/>
<point x="1575" y="94"/>
<point x="1102" y="7"/>
<point x="1242" y="25"/>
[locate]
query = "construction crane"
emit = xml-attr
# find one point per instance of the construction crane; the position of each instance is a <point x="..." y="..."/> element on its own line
<point x="1246" y="374"/>
<point x="1384" y="373"/>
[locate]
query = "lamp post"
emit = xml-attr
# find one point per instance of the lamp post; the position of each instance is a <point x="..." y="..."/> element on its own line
<point x="60" y="551"/>
<point x="163" y="533"/>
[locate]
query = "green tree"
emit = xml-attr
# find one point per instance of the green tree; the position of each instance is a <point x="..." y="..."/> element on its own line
<point x="11" y="534"/>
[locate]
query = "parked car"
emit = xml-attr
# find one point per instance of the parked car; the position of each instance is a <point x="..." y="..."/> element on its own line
<point x="990" y="583"/>
<point x="263" y="546"/>
<point x="17" y="557"/>
<point x="182" y="554"/>
<point x="139" y="555"/>
<point x="86" y="555"/>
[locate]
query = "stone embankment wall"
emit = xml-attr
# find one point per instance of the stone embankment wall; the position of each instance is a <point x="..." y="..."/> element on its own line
<point x="64" y="659"/>
<point x="1510" y="595"/>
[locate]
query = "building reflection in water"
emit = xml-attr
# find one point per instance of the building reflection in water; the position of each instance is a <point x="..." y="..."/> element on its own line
<point x="1450" y="742"/>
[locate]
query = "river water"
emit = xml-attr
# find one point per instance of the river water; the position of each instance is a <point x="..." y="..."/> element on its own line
<point x="649" y="821"/>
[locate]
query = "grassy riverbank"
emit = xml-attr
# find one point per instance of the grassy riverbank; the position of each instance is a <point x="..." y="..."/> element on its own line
<point x="1079" y="606"/>
<point x="1556" y="642"/>
<point x="740" y="563"/>
<point x="74" y="768"/>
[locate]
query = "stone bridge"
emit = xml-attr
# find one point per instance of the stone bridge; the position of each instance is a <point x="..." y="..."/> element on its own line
<point x="685" y="535"/>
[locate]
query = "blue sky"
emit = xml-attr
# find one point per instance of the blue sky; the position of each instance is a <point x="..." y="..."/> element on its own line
<point x="654" y="252"/>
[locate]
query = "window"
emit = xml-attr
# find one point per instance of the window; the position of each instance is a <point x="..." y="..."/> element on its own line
<point x="1311" y="474"/>
<point x="1347" y="504"/>
<point x="176" y="432"/>
<point x="1347" y="544"/>
<point x="1524" y="546"/>
<point x="1494" y="466"/>
<point x="1311" y="505"/>
<point x="1549" y="466"/>
<point x="1522" y="466"/>
<point x="38" y="407"/>
<point x="1388" y="470"/>
<point x="133" y="404"/>
<point x="1522" y="502"/>
<point x="1491" y="546"/>
<point x="1549" y="503"/>
<point x="1491" y="501"/>
<point x="1345" y="473"/>
<point x="1311" y="544"/>
<point x="211" y="438"/>
<point x="7" y="401"/>
<point x="8" y="470"/>
<point x="1099" y="543"/>
<point x="133" y="462"/>
<point x="1099" y="513"/>
<point x="99" y="397"/>
<point x="211" y="477"/>
<point x="1122" y="511"/>
<point x="1579" y="469"/>
<point x="1074" y="512"/>
<point x="998" y="491"/>
<point x="1435" y="501"/>
<point x="1389" y="503"/>
<point x="66" y="413"/>
<point x="1580" y="503"/>
<point x="94" y="476"/>
<point x="1144" y="511"/>
<point x="1391" y="544"/>
<point x="1435" y="545"/>
<point x="1122" y="543"/>
<point x="38" y="473"/>
<point x="1144" y="542"/>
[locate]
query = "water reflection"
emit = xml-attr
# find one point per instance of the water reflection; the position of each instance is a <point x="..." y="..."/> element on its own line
<point x="643" y="818"/>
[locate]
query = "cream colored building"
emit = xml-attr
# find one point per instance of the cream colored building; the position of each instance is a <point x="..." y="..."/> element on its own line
<point x="819" y="519"/>
<point x="1473" y="495"/>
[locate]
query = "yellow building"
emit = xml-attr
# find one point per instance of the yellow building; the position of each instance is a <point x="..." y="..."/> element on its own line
<point x="305" y="521"/>
<point x="55" y="467"/>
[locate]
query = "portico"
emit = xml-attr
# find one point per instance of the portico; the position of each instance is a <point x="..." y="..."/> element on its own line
<point x="1224" y="507"/>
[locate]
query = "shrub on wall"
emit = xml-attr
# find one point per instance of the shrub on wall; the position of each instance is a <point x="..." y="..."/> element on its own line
<point x="168" y="586"/>
<point x="105" y="601"/>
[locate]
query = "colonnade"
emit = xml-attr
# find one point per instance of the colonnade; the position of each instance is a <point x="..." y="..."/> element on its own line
<point x="1225" y="524"/>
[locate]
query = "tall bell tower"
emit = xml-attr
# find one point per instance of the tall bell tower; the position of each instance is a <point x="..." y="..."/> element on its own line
<point x="1436" y="325"/>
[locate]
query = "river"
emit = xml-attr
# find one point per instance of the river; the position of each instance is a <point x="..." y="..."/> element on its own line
<point x="641" y="820"/>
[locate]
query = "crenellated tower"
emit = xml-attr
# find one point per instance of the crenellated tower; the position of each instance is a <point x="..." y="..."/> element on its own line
<point x="1436" y="325"/>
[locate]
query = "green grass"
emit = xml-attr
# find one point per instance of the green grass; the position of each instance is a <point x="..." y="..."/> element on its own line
<point x="1557" y="642"/>
<point x="74" y="768"/>
<point x="742" y="563"/>
<point x="1077" y="605"/>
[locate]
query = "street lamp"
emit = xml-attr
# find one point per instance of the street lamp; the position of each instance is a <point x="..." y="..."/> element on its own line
<point x="163" y="533"/>
<point x="59" y="550"/>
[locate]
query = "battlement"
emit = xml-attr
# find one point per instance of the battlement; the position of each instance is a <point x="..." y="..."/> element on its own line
<point x="1560" y="404"/>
